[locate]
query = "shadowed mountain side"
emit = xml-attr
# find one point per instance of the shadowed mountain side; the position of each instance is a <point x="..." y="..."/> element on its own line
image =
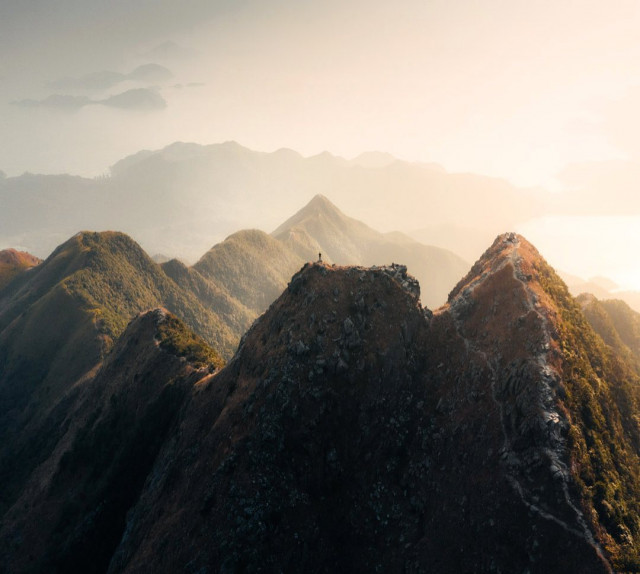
<point x="250" y="265"/>
<point x="58" y="321"/>
<point x="96" y="448"/>
<point x="354" y="431"/>
<point x="321" y="227"/>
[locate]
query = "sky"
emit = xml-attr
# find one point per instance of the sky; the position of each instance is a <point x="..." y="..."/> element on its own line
<point x="544" y="94"/>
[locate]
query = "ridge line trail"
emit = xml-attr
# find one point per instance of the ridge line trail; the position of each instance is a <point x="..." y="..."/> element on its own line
<point x="515" y="258"/>
<point x="546" y="372"/>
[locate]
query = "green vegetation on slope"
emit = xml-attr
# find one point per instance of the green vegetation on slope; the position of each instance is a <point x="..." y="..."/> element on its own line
<point x="252" y="266"/>
<point x="112" y="279"/>
<point x="174" y="337"/>
<point x="232" y="312"/>
<point x="602" y="398"/>
<point x="13" y="263"/>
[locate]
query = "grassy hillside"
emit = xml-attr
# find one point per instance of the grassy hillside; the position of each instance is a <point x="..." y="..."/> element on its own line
<point x="232" y="312"/>
<point x="250" y="265"/>
<point x="13" y="263"/>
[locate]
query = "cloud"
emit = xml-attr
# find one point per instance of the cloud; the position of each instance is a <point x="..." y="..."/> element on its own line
<point x="60" y="101"/>
<point x="150" y="73"/>
<point x="169" y="50"/>
<point x="147" y="73"/>
<point x="135" y="99"/>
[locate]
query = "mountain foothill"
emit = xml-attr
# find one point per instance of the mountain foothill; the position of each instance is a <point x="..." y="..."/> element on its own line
<point x="324" y="398"/>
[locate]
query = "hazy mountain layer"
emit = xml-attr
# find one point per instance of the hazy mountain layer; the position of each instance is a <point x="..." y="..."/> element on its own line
<point x="603" y="289"/>
<point x="183" y="198"/>
<point x="615" y="322"/>
<point x="251" y="265"/>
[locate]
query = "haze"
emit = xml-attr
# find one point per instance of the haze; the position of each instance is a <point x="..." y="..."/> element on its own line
<point x="542" y="94"/>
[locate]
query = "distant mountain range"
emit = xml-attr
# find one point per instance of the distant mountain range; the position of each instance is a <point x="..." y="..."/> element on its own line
<point x="181" y="199"/>
<point x="602" y="288"/>
<point x="354" y="430"/>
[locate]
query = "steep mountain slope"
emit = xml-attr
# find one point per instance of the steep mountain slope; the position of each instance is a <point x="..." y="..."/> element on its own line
<point x="13" y="263"/>
<point x="321" y="227"/>
<point x="232" y="312"/>
<point x="250" y="265"/>
<point x="102" y="441"/>
<point x="355" y="431"/>
<point x="57" y="323"/>
<point x="582" y="408"/>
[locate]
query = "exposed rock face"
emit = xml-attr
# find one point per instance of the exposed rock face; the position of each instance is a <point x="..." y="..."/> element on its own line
<point x="357" y="431"/>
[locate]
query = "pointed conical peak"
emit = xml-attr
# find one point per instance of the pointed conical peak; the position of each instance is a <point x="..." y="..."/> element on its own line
<point x="320" y="203"/>
<point x="508" y="251"/>
<point x="318" y="208"/>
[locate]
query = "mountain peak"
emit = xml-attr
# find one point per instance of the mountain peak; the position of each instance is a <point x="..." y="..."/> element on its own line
<point x="319" y="211"/>
<point x="15" y="257"/>
<point x="506" y="248"/>
<point x="320" y="201"/>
